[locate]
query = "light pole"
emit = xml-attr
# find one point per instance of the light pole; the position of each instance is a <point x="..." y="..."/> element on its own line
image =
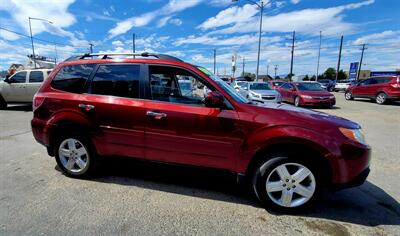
<point x="260" y="5"/>
<point x="30" y="29"/>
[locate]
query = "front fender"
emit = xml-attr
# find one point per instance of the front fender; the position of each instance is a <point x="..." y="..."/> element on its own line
<point x="267" y="136"/>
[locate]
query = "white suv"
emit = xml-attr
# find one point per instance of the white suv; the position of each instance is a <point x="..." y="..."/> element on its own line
<point x="21" y="86"/>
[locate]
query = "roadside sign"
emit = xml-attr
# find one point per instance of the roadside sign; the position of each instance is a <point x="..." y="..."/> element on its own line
<point x="353" y="71"/>
<point x="385" y="73"/>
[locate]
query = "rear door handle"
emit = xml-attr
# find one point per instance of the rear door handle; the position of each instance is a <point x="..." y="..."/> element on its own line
<point x="86" y="107"/>
<point x="156" y="115"/>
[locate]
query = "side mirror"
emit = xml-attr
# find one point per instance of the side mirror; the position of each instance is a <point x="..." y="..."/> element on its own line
<point x="214" y="99"/>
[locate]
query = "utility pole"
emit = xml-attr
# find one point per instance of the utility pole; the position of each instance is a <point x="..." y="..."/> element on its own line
<point x="340" y="56"/>
<point x="267" y="69"/>
<point x="55" y="49"/>
<point x="276" y="68"/>
<point x="291" y="62"/>
<point x="319" y="53"/>
<point x="243" y="63"/>
<point x="33" y="48"/>
<point x="91" y="47"/>
<point x="215" y="59"/>
<point x="361" y="59"/>
<point x="133" y="43"/>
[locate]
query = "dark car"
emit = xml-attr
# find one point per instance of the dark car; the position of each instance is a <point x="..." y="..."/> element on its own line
<point x="328" y="84"/>
<point x="380" y="89"/>
<point x="91" y="108"/>
<point x="306" y="94"/>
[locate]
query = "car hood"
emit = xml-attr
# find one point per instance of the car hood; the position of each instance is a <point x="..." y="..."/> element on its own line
<point x="315" y="93"/>
<point x="265" y="92"/>
<point x="306" y="117"/>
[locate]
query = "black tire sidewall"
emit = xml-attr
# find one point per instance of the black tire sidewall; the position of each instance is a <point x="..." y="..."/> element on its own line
<point x="89" y="147"/>
<point x="265" y="168"/>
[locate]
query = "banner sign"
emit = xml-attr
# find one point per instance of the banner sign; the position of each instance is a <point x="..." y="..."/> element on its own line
<point x="353" y="71"/>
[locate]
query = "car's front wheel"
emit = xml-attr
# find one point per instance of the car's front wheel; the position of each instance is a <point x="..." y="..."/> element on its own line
<point x="381" y="98"/>
<point x="75" y="156"/>
<point x="286" y="184"/>
<point x="297" y="101"/>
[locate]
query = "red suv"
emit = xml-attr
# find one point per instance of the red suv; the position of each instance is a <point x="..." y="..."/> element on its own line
<point x="306" y="94"/>
<point x="166" y="110"/>
<point x="381" y="89"/>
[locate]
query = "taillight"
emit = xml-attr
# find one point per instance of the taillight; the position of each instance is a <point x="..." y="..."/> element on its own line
<point x="37" y="101"/>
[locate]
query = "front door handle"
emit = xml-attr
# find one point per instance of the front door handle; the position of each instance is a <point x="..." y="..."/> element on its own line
<point x="156" y="115"/>
<point x="86" y="107"/>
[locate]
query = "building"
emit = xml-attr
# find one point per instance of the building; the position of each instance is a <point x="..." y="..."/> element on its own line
<point x="364" y="74"/>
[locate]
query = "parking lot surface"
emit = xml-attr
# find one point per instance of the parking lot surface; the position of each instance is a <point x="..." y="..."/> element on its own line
<point x="131" y="197"/>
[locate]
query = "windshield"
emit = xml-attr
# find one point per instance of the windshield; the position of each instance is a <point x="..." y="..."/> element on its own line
<point x="259" y="86"/>
<point x="309" y="87"/>
<point x="225" y="86"/>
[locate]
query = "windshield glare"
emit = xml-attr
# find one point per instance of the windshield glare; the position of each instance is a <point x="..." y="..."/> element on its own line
<point x="309" y="87"/>
<point x="259" y="86"/>
<point x="225" y="86"/>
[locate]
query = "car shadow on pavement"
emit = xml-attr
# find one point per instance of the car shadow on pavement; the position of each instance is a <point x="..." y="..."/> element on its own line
<point x="366" y="205"/>
<point x="22" y="107"/>
<point x="388" y="103"/>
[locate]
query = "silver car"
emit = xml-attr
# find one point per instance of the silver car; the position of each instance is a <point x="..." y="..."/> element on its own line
<point x="260" y="92"/>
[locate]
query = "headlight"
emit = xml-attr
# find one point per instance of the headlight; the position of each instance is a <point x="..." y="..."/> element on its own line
<point x="332" y="96"/>
<point x="255" y="95"/>
<point x="306" y="96"/>
<point x="353" y="134"/>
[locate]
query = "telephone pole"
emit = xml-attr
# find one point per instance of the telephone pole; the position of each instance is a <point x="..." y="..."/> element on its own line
<point x="291" y="61"/>
<point x="319" y="53"/>
<point x="91" y="47"/>
<point x="243" y="63"/>
<point x="267" y="69"/>
<point x="276" y="68"/>
<point x="215" y="58"/>
<point x="361" y="59"/>
<point x="340" y="56"/>
<point x="133" y="43"/>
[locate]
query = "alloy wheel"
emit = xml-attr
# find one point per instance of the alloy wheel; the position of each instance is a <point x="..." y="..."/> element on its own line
<point x="290" y="185"/>
<point x="381" y="98"/>
<point x="73" y="155"/>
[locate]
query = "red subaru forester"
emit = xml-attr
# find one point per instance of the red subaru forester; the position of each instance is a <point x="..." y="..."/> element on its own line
<point x="165" y="110"/>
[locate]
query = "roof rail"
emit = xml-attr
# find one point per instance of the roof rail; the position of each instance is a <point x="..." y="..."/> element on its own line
<point x="143" y="54"/>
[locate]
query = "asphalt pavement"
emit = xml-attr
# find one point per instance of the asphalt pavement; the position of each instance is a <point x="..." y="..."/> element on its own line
<point x="138" y="198"/>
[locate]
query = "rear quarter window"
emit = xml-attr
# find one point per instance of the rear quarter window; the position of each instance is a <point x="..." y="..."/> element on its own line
<point x="72" y="78"/>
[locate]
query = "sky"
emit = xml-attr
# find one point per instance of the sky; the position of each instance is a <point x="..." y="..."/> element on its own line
<point x="192" y="29"/>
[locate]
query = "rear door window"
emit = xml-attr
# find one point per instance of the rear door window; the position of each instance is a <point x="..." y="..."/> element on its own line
<point x="72" y="78"/>
<point x="35" y="77"/>
<point x="117" y="80"/>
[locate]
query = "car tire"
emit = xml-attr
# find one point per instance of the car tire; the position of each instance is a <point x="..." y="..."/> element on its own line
<point x="348" y="96"/>
<point x="381" y="98"/>
<point x="75" y="155"/>
<point x="297" y="101"/>
<point x="287" y="184"/>
<point x="3" y="103"/>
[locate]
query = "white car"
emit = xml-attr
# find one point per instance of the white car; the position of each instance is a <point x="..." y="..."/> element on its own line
<point x="21" y="86"/>
<point x="342" y="85"/>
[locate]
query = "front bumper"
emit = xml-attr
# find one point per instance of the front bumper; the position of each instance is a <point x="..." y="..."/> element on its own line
<point x="318" y="102"/>
<point x="357" y="181"/>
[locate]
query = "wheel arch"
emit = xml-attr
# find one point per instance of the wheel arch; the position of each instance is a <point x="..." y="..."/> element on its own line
<point x="314" y="152"/>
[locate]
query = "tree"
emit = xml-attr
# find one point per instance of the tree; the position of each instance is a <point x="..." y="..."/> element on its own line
<point x="342" y="75"/>
<point x="330" y="73"/>
<point x="306" y="78"/>
<point x="313" y="78"/>
<point x="249" y="76"/>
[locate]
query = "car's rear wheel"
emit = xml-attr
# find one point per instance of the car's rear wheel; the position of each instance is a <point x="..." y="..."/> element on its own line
<point x="75" y="156"/>
<point x="348" y="96"/>
<point x="284" y="183"/>
<point x="297" y="101"/>
<point x="381" y="98"/>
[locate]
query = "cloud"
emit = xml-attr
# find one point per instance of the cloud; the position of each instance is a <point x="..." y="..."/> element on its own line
<point x="220" y="41"/>
<point x="56" y="11"/>
<point x="176" y="21"/>
<point x="173" y="6"/>
<point x="8" y="35"/>
<point x="229" y="16"/>
<point x="308" y="21"/>
<point x="294" y="1"/>
<point x="117" y="43"/>
<point x="220" y="3"/>
<point x="385" y="37"/>
<point x="163" y="21"/>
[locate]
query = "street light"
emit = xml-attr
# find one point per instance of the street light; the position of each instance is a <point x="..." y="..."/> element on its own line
<point x="30" y="29"/>
<point x="260" y="5"/>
